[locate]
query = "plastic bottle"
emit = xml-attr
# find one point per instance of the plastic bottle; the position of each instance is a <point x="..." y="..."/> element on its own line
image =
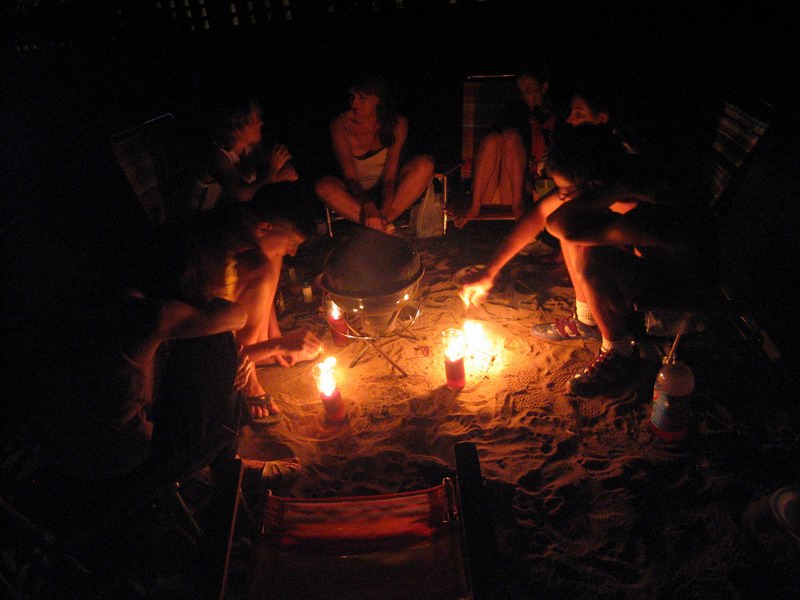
<point x="669" y="419"/>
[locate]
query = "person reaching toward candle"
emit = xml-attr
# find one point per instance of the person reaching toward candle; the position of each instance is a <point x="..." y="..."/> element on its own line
<point x="265" y="230"/>
<point x="377" y="183"/>
<point x="628" y="232"/>
<point x="589" y="105"/>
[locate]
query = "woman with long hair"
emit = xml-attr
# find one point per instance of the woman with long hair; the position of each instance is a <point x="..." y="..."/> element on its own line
<point x="376" y="184"/>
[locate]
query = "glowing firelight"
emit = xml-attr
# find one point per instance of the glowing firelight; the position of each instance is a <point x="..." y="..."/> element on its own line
<point x="476" y="337"/>
<point x="454" y="344"/>
<point x="324" y="378"/>
<point x="335" y="312"/>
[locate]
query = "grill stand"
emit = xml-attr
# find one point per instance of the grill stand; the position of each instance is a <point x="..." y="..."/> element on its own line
<point x="370" y="341"/>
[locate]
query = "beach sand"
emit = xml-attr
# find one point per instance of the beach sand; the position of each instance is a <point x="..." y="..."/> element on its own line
<point x="584" y="500"/>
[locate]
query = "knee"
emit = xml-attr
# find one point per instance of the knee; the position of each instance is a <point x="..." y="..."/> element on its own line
<point x="325" y="187"/>
<point x="423" y="166"/>
<point x="510" y="138"/>
<point x="491" y="142"/>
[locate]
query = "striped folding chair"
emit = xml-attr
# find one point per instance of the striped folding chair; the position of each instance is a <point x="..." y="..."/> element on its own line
<point x="404" y="545"/>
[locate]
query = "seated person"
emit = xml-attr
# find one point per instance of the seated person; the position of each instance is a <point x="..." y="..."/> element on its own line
<point x="511" y="156"/>
<point x="123" y="401"/>
<point x="626" y="229"/>
<point x="376" y="185"/>
<point x="240" y="161"/>
<point x="591" y="104"/>
<point x="270" y="227"/>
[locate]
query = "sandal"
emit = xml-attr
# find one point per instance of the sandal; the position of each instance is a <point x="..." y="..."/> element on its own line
<point x="267" y="402"/>
<point x="568" y="328"/>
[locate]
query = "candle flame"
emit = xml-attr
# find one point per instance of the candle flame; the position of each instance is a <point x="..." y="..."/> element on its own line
<point x="336" y="312"/>
<point x="326" y="382"/>
<point x="455" y="347"/>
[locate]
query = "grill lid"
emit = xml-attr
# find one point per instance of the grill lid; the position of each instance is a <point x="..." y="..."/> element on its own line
<point x="371" y="264"/>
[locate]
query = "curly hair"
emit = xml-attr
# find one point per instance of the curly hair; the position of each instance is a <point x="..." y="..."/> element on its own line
<point x="377" y="85"/>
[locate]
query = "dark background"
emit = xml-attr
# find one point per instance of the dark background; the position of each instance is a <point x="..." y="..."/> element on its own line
<point x="75" y="72"/>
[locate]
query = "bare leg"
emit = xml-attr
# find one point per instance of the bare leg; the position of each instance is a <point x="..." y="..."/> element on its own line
<point x="333" y="192"/>
<point x="415" y="176"/>
<point x="255" y="291"/>
<point x="573" y="260"/>
<point x="487" y="175"/>
<point x="610" y="277"/>
<point x="512" y="170"/>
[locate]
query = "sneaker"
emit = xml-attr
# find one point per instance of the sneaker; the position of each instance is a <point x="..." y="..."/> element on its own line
<point x="568" y="328"/>
<point x="608" y="371"/>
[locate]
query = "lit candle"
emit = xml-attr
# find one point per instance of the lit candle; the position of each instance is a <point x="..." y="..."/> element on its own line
<point x="328" y="392"/>
<point x="308" y="292"/>
<point x="337" y="324"/>
<point x="454" y="358"/>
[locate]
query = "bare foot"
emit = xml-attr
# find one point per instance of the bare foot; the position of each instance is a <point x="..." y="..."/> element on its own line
<point x="262" y="407"/>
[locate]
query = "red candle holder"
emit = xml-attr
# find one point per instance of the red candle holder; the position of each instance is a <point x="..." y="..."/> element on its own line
<point x="329" y="394"/>
<point x="337" y="325"/>
<point x="454" y="358"/>
<point x="333" y="406"/>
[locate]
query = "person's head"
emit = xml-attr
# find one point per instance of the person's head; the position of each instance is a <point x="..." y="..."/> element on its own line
<point x="371" y="92"/>
<point x="182" y="266"/>
<point x="588" y="108"/>
<point x="584" y="156"/>
<point x="533" y="83"/>
<point x="239" y="123"/>
<point x="279" y="218"/>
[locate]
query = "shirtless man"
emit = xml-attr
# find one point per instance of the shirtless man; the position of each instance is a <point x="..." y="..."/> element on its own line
<point x="626" y="229"/>
<point x="271" y="227"/>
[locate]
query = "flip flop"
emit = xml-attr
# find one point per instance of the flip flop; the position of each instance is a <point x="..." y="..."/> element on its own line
<point x="264" y="401"/>
<point x="785" y="504"/>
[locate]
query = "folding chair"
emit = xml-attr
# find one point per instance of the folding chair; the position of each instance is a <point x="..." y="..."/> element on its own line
<point x="722" y="163"/>
<point x="440" y="180"/>
<point x="151" y="157"/>
<point x="484" y="97"/>
<point x="392" y="546"/>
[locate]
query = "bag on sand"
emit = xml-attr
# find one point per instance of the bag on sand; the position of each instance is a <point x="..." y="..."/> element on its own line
<point x="428" y="215"/>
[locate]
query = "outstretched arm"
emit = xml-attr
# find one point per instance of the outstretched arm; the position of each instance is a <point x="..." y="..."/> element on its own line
<point x="295" y="346"/>
<point x="476" y="288"/>
<point x="180" y="320"/>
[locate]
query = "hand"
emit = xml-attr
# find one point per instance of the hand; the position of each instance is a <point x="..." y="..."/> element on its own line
<point x="278" y="156"/>
<point x="244" y="370"/>
<point x="296" y="346"/>
<point x="462" y="220"/>
<point x="475" y="287"/>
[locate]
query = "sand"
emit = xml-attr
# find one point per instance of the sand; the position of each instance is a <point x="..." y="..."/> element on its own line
<point x="585" y="501"/>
